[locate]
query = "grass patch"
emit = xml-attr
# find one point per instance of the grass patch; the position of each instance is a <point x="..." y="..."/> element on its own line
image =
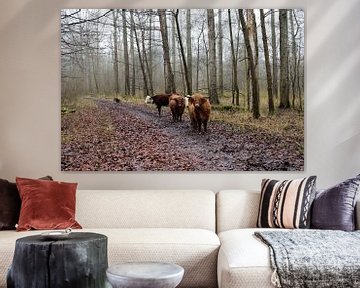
<point x="287" y="123"/>
<point x="76" y="103"/>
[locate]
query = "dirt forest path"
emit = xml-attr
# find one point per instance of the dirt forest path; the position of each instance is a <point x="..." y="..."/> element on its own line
<point x="110" y="136"/>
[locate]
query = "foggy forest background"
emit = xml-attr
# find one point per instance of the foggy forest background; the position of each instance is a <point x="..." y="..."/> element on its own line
<point x="250" y="58"/>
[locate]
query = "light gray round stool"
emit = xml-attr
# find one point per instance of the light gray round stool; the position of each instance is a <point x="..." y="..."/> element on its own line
<point x="145" y="275"/>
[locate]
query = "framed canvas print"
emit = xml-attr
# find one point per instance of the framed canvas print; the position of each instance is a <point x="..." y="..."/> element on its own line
<point x="182" y="89"/>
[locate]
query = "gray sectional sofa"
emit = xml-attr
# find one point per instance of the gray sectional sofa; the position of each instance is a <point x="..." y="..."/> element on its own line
<point x="209" y="234"/>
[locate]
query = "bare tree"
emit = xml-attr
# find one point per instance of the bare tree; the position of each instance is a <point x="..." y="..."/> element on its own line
<point x="198" y="55"/>
<point x="151" y="51"/>
<point x="298" y="78"/>
<point x="220" y="53"/>
<point x="251" y="27"/>
<point x="174" y="45"/>
<point x="145" y="56"/>
<point x="146" y="89"/>
<point x="116" y="61"/>
<point x="293" y="73"/>
<point x="212" y="57"/>
<point x="170" y="83"/>
<point x="126" y="54"/>
<point x="206" y="61"/>
<point x="235" y="87"/>
<point x="189" y="50"/>
<point x="132" y="52"/>
<point x="267" y="63"/>
<point x="94" y="55"/>
<point x="186" y="72"/>
<point x="274" y="55"/>
<point x="284" y="60"/>
<point x="254" y="80"/>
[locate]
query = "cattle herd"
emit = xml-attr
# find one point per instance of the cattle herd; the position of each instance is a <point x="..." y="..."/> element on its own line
<point x="198" y="107"/>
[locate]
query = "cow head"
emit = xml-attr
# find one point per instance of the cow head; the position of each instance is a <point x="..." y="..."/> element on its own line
<point x="148" y="100"/>
<point x="197" y="100"/>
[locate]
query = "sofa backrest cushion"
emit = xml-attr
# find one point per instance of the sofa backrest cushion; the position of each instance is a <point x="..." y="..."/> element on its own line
<point x="146" y="209"/>
<point x="236" y="209"/>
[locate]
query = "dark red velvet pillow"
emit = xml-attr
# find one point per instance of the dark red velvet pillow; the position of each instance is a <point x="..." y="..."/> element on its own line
<point x="46" y="204"/>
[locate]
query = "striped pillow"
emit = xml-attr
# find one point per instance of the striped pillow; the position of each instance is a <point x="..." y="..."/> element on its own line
<point x="286" y="204"/>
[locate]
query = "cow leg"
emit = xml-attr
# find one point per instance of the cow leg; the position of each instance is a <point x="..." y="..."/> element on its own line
<point x="199" y="126"/>
<point x="205" y="126"/>
<point x="159" y="109"/>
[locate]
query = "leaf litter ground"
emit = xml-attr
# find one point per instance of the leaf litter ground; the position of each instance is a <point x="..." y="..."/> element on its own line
<point x="109" y="136"/>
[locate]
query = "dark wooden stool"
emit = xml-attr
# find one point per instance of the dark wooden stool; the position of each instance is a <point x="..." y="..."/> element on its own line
<point x="78" y="261"/>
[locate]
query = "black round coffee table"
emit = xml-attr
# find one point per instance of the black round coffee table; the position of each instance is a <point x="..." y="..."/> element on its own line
<point x="79" y="260"/>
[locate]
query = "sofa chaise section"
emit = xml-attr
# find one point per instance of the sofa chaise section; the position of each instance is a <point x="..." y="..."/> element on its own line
<point x="244" y="260"/>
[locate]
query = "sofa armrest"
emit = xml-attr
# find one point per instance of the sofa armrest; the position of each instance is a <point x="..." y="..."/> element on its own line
<point x="357" y="215"/>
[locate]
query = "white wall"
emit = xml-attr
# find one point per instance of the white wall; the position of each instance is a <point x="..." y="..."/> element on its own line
<point x="30" y="95"/>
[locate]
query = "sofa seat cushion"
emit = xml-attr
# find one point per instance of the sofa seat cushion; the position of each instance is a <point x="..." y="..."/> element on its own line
<point x="196" y="250"/>
<point x="244" y="261"/>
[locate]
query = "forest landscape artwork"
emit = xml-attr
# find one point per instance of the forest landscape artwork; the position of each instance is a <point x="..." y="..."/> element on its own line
<point x="182" y="89"/>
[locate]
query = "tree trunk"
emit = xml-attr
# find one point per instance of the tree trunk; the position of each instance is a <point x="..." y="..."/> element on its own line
<point x="293" y="58"/>
<point x="95" y="62"/>
<point x="254" y="80"/>
<point x="248" y="79"/>
<point x="146" y="89"/>
<point x="94" y="68"/>
<point x="189" y="49"/>
<point x="197" y="63"/>
<point x="170" y="84"/>
<point x="126" y="54"/>
<point x="173" y="44"/>
<point x="151" y="54"/>
<point x="132" y="52"/>
<point x="220" y="54"/>
<point x="251" y="25"/>
<point x="148" y="70"/>
<point x="235" y="87"/>
<point x="186" y="72"/>
<point x="267" y="63"/>
<point x="182" y="73"/>
<point x="198" y="56"/>
<point x="284" y="60"/>
<point x="298" y="78"/>
<point x="206" y="63"/>
<point x="212" y="58"/>
<point x="116" y="61"/>
<point x="274" y="55"/>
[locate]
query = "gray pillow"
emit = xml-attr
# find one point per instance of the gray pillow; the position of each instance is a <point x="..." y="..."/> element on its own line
<point x="334" y="208"/>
